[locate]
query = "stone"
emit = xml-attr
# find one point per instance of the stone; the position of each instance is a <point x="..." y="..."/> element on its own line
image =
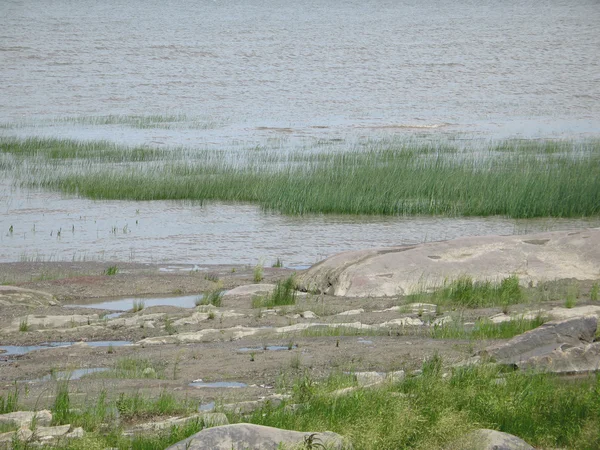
<point x="567" y="360"/>
<point x="69" y="322"/>
<point x="50" y="433"/>
<point x="24" y="434"/>
<point x="352" y="312"/>
<point x="209" y="420"/>
<point x="309" y="315"/>
<point x="543" y="340"/>
<point x="24" y="418"/>
<point x="243" y="436"/>
<point x="369" y="378"/>
<point x="77" y="433"/>
<point x="484" y="439"/>
<point x="403" y="322"/>
<point x="250" y="290"/>
<point x="393" y="271"/>
<point x="13" y="296"/>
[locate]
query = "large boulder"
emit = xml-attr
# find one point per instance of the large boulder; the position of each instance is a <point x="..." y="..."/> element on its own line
<point x="567" y="360"/>
<point x="484" y="439"/>
<point x="544" y="340"/>
<point x="13" y="295"/>
<point x="245" y="436"/>
<point x="403" y="270"/>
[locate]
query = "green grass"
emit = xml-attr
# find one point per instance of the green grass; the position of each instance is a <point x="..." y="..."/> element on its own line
<point x="390" y="177"/>
<point x="283" y="294"/>
<point x="258" y="274"/>
<point x="594" y="292"/>
<point x="111" y="270"/>
<point x="429" y="412"/>
<point x="132" y="367"/>
<point x="214" y="297"/>
<point x="485" y="329"/>
<point x="23" y="325"/>
<point x="138" y="305"/>
<point x="473" y="294"/>
<point x="10" y="402"/>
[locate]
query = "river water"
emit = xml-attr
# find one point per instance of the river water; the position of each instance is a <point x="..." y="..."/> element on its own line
<point x="291" y="74"/>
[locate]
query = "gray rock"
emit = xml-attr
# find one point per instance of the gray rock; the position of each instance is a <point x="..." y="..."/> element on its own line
<point x="209" y="419"/>
<point x="544" y="340"/>
<point x="484" y="439"/>
<point x="403" y="270"/>
<point x="24" y="418"/>
<point x="77" y="433"/>
<point x="245" y="436"/>
<point x="567" y="360"/>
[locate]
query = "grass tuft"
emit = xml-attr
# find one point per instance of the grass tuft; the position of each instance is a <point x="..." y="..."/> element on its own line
<point x="283" y="294"/>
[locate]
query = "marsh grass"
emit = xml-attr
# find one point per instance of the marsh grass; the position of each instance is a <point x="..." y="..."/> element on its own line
<point x="430" y="411"/>
<point x="472" y="294"/>
<point x="132" y="367"/>
<point x="258" y="274"/>
<point x="390" y="177"/>
<point x="283" y="294"/>
<point x="138" y="305"/>
<point x="594" y="292"/>
<point x="10" y="402"/>
<point x="24" y="325"/>
<point x="111" y="270"/>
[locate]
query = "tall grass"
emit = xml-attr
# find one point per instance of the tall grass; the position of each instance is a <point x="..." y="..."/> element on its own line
<point x="393" y="178"/>
<point x="283" y="294"/>
<point x="466" y="292"/>
<point x="431" y="411"/>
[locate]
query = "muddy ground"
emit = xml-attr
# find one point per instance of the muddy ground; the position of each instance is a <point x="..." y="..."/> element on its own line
<point x="220" y="356"/>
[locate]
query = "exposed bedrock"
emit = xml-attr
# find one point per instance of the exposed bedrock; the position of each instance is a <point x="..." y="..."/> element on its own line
<point x="404" y="270"/>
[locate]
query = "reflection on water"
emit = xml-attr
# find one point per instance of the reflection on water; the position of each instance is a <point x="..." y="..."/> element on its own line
<point x="15" y="350"/>
<point x="126" y="304"/>
<point x="180" y="232"/>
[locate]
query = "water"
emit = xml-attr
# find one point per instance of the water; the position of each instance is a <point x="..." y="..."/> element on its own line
<point x="71" y="375"/>
<point x="15" y="350"/>
<point x="253" y="71"/>
<point x="126" y="304"/>
<point x="284" y="75"/>
<point x="206" y="407"/>
<point x="215" y="233"/>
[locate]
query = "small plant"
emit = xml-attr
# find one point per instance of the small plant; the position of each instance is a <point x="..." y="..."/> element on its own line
<point x="290" y="345"/>
<point x="211" y="315"/>
<point x="62" y="403"/>
<point x="213" y="297"/>
<point x="24" y="325"/>
<point x="283" y="294"/>
<point x="9" y="403"/>
<point x="111" y="270"/>
<point x="295" y="361"/>
<point x="138" y="305"/>
<point x="169" y="327"/>
<point x="570" y="301"/>
<point x="258" y="273"/>
<point x="278" y="263"/>
<point x="312" y="442"/>
<point x="110" y="349"/>
<point x="252" y="356"/>
<point x="594" y="292"/>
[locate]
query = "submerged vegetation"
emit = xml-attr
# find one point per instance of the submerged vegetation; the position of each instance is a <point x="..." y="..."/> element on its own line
<point x="515" y="179"/>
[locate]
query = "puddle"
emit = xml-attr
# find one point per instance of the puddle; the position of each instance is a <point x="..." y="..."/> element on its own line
<point x="15" y="350"/>
<point x="70" y="375"/>
<point x="206" y="407"/>
<point x="113" y="315"/>
<point x="364" y="341"/>
<point x="274" y="348"/>
<point x="126" y="304"/>
<point x="217" y="384"/>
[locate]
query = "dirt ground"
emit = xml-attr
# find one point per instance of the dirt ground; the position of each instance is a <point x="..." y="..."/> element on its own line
<point x="220" y="356"/>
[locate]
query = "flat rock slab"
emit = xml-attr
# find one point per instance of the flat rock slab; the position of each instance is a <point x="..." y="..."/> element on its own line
<point x="404" y="270"/>
<point x="12" y="296"/>
<point x="209" y="420"/>
<point x="244" y="436"/>
<point x="544" y="340"/>
<point x="250" y="290"/>
<point x="25" y="418"/>
<point x="484" y="439"/>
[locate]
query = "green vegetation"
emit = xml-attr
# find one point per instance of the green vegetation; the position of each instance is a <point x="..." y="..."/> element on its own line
<point x="214" y="297"/>
<point x="10" y="403"/>
<point x="131" y="367"/>
<point x="594" y="292"/>
<point x="283" y="294"/>
<point x="466" y="292"/>
<point x="278" y="263"/>
<point x="485" y="329"/>
<point x="138" y="305"/>
<point x="430" y="411"/>
<point x="258" y="273"/>
<point x="111" y="270"/>
<point x="391" y="177"/>
<point x="24" y="325"/>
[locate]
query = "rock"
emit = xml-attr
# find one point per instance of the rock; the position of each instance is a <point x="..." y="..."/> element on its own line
<point x="7" y="437"/>
<point x="400" y="270"/>
<point x="309" y="315"/>
<point x="50" y="433"/>
<point x="421" y="308"/>
<point x="149" y="372"/>
<point x="209" y="420"/>
<point x="24" y="434"/>
<point x="484" y="439"/>
<point x="567" y="360"/>
<point x="500" y="318"/>
<point x="77" y="433"/>
<point x="248" y="436"/>
<point x="567" y="313"/>
<point x="544" y="340"/>
<point x="53" y="321"/>
<point x="13" y="296"/>
<point x="369" y="378"/>
<point x="250" y="290"/>
<point x="352" y="312"/>
<point x="24" y="418"/>
<point x="402" y="322"/>
<point x="252" y="405"/>
<point x="207" y="335"/>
